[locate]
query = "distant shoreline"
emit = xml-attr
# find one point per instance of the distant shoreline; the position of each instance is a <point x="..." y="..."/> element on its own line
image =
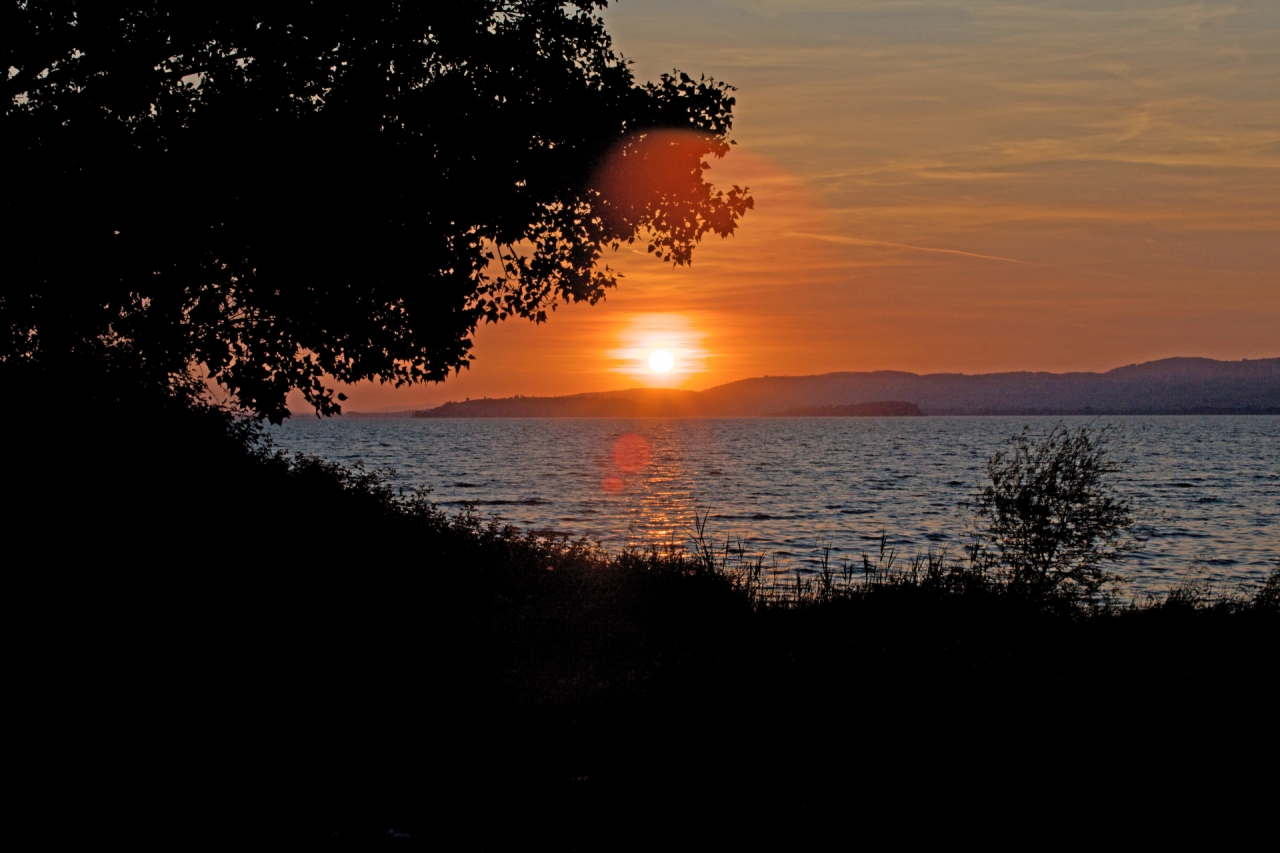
<point x="1172" y="386"/>
<point x="410" y="414"/>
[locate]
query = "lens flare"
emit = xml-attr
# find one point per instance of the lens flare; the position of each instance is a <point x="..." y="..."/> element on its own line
<point x="630" y="453"/>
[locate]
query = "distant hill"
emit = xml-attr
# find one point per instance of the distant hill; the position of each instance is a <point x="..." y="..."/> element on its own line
<point x="1169" y="386"/>
<point x="889" y="409"/>
<point x="632" y="403"/>
<point x="383" y="415"/>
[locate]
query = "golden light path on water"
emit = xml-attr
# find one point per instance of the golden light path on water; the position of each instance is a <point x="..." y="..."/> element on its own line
<point x="663" y="514"/>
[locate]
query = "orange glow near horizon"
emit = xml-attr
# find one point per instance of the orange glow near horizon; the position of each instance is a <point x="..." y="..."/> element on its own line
<point x="659" y="349"/>
<point x="942" y="187"/>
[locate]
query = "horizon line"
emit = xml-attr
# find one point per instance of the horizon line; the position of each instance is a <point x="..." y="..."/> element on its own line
<point x="426" y="406"/>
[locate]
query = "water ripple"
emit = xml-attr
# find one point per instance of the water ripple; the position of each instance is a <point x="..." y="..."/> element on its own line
<point x="1211" y="485"/>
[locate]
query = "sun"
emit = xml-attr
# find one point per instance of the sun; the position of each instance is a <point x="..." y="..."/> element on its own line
<point x="661" y="361"/>
<point x="659" y="350"/>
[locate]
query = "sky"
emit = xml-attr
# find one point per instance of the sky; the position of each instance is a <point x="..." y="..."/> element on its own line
<point x="942" y="187"/>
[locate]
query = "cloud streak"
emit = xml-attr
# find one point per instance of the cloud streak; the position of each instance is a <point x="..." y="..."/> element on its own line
<point x="856" y="241"/>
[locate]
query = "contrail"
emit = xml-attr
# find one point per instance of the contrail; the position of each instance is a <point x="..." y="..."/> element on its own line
<point x="830" y="238"/>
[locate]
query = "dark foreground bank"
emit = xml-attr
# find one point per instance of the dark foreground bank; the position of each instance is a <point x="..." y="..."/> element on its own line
<point x="221" y="640"/>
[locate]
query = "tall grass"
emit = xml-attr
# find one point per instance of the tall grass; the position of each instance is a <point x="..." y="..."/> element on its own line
<point x="764" y="582"/>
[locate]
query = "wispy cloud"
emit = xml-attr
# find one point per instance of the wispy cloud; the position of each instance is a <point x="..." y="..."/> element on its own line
<point x="857" y="241"/>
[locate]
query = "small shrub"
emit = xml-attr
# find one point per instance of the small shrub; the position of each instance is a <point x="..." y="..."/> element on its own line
<point x="1052" y="515"/>
<point x="1268" y="598"/>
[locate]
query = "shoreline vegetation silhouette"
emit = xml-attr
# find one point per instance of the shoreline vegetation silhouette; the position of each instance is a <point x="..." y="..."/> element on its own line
<point x="213" y="637"/>
<point x="378" y="638"/>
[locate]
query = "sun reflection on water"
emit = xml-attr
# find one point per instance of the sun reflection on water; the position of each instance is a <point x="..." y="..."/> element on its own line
<point x="649" y="478"/>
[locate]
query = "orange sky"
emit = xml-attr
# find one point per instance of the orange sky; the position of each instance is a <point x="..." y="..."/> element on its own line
<point x="945" y="186"/>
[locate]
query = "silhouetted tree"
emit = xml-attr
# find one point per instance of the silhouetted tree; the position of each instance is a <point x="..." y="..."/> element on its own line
<point x="1053" y="514"/>
<point x="280" y="191"/>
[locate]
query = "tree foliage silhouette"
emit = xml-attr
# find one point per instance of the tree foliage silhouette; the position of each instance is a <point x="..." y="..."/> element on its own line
<point x="285" y="191"/>
<point x="1052" y="514"/>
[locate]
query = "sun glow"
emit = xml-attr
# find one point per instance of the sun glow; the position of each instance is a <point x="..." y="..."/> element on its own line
<point x="661" y="361"/>
<point x="659" y="349"/>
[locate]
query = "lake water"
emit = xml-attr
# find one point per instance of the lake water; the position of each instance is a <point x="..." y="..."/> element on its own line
<point x="788" y="486"/>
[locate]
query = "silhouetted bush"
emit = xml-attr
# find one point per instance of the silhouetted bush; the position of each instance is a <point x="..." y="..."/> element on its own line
<point x="1052" y="514"/>
<point x="1268" y="597"/>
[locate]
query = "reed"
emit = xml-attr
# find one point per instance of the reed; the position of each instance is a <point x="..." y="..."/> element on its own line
<point x="764" y="582"/>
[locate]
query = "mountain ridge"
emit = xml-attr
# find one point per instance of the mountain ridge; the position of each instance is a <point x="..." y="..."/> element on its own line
<point x="1181" y="385"/>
